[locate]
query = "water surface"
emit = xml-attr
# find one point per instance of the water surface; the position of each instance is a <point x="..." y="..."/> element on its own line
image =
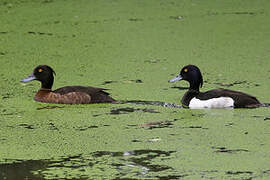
<point x="133" y="48"/>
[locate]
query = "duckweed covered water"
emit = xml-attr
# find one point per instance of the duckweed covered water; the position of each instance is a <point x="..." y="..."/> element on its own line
<point x="133" y="48"/>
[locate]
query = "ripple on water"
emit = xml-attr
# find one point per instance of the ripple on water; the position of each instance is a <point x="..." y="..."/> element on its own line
<point x="126" y="110"/>
<point x="137" y="162"/>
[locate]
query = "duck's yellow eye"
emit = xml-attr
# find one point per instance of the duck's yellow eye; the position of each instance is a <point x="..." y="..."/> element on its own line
<point x="40" y="70"/>
<point x="185" y="70"/>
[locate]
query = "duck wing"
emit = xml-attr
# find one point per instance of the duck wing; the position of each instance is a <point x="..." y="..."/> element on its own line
<point x="241" y="99"/>
<point x="98" y="95"/>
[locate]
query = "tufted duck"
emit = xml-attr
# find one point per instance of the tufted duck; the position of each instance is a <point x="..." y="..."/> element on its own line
<point x="216" y="98"/>
<point x="67" y="94"/>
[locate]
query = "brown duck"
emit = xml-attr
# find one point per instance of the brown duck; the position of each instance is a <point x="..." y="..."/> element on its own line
<point x="65" y="95"/>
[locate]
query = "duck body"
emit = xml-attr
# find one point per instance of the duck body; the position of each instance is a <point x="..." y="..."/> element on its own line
<point x="67" y="94"/>
<point x="73" y="95"/>
<point x="216" y="98"/>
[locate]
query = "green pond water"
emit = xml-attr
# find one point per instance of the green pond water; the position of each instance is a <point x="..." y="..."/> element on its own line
<point x="133" y="48"/>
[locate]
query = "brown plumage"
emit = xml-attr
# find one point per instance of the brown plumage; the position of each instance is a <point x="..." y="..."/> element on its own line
<point x="67" y="94"/>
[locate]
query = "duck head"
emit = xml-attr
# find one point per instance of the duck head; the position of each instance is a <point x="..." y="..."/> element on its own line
<point x="191" y="74"/>
<point x="44" y="74"/>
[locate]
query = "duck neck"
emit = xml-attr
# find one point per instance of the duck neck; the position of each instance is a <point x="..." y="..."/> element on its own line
<point x="45" y="89"/>
<point x="194" y="86"/>
<point x="188" y="96"/>
<point x="47" y="84"/>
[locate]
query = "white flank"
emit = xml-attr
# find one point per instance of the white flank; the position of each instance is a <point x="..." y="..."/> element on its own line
<point x="221" y="102"/>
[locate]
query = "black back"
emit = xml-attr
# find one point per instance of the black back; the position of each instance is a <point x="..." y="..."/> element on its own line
<point x="241" y="100"/>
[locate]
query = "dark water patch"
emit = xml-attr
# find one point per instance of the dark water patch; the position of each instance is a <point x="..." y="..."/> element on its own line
<point x="75" y="162"/>
<point x="7" y="95"/>
<point x="154" y="61"/>
<point x="154" y="103"/>
<point x="96" y="115"/>
<point x="38" y="169"/>
<point x="261" y="117"/>
<point x="266" y="118"/>
<point x="86" y="128"/>
<point x="94" y="21"/>
<point x="3" y="139"/>
<point x="136" y="140"/>
<point x="27" y="126"/>
<point x="106" y="153"/>
<point x="243" y="13"/>
<point x="213" y="13"/>
<point x="159" y="124"/>
<point x="176" y="17"/>
<point x="225" y="150"/>
<point x="266" y="105"/>
<point x="209" y="172"/>
<point x="108" y="82"/>
<point x="50" y="107"/>
<point x="179" y="87"/>
<point x="135" y="19"/>
<point x="133" y="80"/>
<point x="52" y="127"/>
<point x="23" y="169"/>
<point x="132" y="125"/>
<point x="15" y="113"/>
<point x="198" y="115"/>
<point x="266" y="172"/>
<point x="103" y="21"/>
<point x="229" y="124"/>
<point x="10" y="3"/>
<point x="238" y="172"/>
<point x="176" y="177"/>
<point x="47" y="1"/>
<point x="256" y="116"/>
<point x="129" y="110"/>
<point x="250" y="13"/>
<point x="111" y="20"/>
<point x="40" y="33"/>
<point x="195" y="127"/>
<point x="232" y="84"/>
<point x="137" y="81"/>
<point x="147" y="156"/>
<point x="141" y="158"/>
